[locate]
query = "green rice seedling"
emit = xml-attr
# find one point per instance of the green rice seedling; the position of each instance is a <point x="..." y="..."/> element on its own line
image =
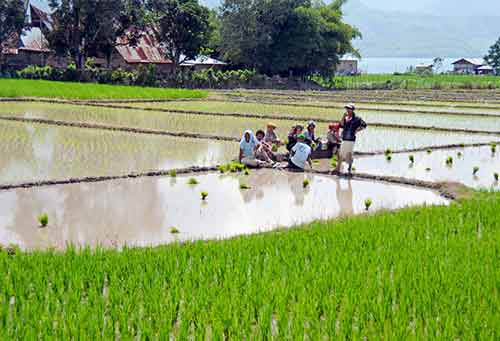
<point x="411" y="158"/>
<point x="246" y="172"/>
<point x="334" y="162"/>
<point x="172" y="173"/>
<point x="244" y="186"/>
<point x="459" y="154"/>
<point x="305" y="183"/>
<point x="204" y="195"/>
<point x="368" y="204"/>
<point x="449" y="161"/>
<point x="427" y="169"/>
<point x="174" y="230"/>
<point x="462" y="145"/>
<point x="388" y="157"/>
<point x="193" y="181"/>
<point x="353" y="169"/>
<point x="429" y="151"/>
<point x="43" y="219"/>
<point x="387" y="152"/>
<point x="493" y="148"/>
<point x="495" y="176"/>
<point x="475" y="170"/>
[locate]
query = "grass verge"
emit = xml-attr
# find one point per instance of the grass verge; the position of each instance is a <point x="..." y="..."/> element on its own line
<point x="419" y="273"/>
<point x="86" y="91"/>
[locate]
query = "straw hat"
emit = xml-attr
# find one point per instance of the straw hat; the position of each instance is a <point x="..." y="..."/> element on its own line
<point x="350" y="106"/>
<point x="272" y="125"/>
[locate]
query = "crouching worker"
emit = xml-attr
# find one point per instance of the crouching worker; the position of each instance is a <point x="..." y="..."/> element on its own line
<point x="333" y="137"/>
<point x="248" y="148"/>
<point x="300" y="154"/>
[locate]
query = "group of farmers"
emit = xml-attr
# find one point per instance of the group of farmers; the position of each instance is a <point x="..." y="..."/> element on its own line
<point x="261" y="149"/>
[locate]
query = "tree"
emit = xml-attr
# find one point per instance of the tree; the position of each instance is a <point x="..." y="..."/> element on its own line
<point x="437" y="64"/>
<point x="88" y="28"/>
<point x="493" y="57"/>
<point x="182" y="27"/>
<point x="12" y="13"/>
<point x="298" y="37"/>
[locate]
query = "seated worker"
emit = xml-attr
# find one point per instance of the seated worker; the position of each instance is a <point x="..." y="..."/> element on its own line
<point x="271" y="137"/>
<point x="292" y="136"/>
<point x="311" y="137"/>
<point x="301" y="153"/>
<point x="333" y="137"/>
<point x="264" y="150"/>
<point x="248" y="148"/>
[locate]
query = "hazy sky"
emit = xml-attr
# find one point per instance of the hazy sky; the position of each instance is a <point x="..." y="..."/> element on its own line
<point x="439" y="7"/>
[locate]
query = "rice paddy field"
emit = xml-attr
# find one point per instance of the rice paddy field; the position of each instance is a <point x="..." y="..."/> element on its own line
<point x="405" y="248"/>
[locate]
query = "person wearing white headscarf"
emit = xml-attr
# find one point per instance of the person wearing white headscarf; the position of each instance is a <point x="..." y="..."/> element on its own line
<point x="248" y="147"/>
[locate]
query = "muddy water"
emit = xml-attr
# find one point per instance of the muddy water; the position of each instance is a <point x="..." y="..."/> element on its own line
<point x="461" y="170"/>
<point x="227" y="126"/>
<point x="43" y="152"/>
<point x="373" y="139"/>
<point x="142" y="211"/>
<point x="371" y="116"/>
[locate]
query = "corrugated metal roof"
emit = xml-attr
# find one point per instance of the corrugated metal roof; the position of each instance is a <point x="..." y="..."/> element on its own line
<point x="32" y="39"/>
<point x="146" y="51"/>
<point x="203" y="60"/>
<point x="473" y="61"/>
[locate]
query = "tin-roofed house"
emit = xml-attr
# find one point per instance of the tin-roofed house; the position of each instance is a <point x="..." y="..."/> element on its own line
<point x="30" y="47"/>
<point x="203" y="63"/>
<point x="467" y="65"/>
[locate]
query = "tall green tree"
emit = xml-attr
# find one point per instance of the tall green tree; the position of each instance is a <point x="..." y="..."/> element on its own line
<point x="493" y="57"/>
<point x="88" y="28"/>
<point x="285" y="37"/>
<point x="182" y="27"/>
<point x="12" y="15"/>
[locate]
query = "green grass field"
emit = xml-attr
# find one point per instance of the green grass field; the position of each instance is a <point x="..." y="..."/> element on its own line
<point x="410" y="82"/>
<point x="420" y="273"/>
<point x="85" y="91"/>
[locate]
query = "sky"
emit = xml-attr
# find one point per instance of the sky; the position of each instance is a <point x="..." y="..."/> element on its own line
<point x="439" y="7"/>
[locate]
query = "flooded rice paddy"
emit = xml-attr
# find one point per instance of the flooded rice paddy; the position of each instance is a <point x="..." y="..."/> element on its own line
<point x="371" y="140"/>
<point x="438" y="118"/>
<point x="143" y="211"/>
<point x="433" y="166"/>
<point x="35" y="152"/>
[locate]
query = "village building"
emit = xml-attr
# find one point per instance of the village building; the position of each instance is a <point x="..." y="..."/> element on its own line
<point x="203" y="63"/>
<point x="347" y="67"/>
<point x="468" y="66"/>
<point x="424" y="68"/>
<point x="30" y="47"/>
<point x="485" y="70"/>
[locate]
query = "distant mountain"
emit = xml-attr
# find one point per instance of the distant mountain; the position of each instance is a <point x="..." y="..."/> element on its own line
<point x="423" y="28"/>
<point x="404" y="34"/>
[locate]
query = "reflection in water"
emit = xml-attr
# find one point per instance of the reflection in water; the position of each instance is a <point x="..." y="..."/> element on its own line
<point x="344" y="197"/>
<point x="142" y="211"/>
<point x="34" y="152"/>
<point x="432" y="167"/>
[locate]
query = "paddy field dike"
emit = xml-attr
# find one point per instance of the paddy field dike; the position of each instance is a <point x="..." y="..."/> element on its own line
<point x="124" y="215"/>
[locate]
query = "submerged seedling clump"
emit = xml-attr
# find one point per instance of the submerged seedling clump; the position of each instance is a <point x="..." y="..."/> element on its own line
<point x="43" y="219"/>
<point x="174" y="230"/>
<point x="305" y="183"/>
<point x="493" y="148"/>
<point x="173" y="173"/>
<point x="232" y="167"/>
<point x="475" y="170"/>
<point x="411" y="158"/>
<point x="368" y="203"/>
<point x="495" y="176"/>
<point x="244" y="186"/>
<point x="192" y="181"/>
<point x="204" y="195"/>
<point x="449" y="161"/>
